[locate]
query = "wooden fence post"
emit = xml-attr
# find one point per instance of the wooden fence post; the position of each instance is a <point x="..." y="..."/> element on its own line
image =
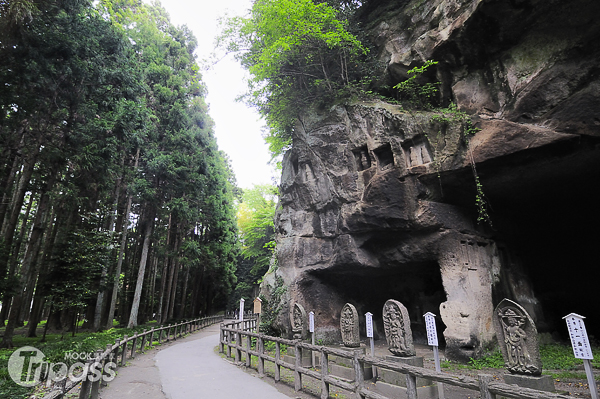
<point x="261" y="360"/>
<point x="117" y="348"/>
<point x="411" y="386"/>
<point x="151" y="340"/>
<point x="229" y="344"/>
<point x="124" y="353"/>
<point x="133" y="345"/>
<point x="277" y="360"/>
<point x="96" y="384"/>
<point x="144" y="338"/>
<point x="359" y="377"/>
<point x="324" y="375"/>
<point x="484" y="380"/>
<point x="238" y="346"/>
<point x="221" y="339"/>
<point x="297" y="374"/>
<point x="248" y="349"/>
<point x="107" y="359"/>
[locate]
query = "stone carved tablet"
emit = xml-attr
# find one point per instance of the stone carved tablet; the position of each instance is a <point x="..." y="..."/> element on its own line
<point x="298" y="319"/>
<point x="517" y="337"/>
<point x="398" y="333"/>
<point x="349" y="326"/>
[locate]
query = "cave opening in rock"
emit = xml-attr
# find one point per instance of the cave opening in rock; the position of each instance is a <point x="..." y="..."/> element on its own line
<point x="417" y="285"/>
<point x="544" y="209"/>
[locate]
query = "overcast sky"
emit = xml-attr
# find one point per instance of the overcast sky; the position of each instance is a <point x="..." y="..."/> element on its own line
<point x="237" y="127"/>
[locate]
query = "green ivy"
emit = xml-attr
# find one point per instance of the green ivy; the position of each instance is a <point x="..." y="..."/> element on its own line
<point x="271" y="307"/>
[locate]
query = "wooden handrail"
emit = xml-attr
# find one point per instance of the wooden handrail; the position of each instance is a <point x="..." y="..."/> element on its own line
<point x="485" y="384"/>
<point x="120" y="347"/>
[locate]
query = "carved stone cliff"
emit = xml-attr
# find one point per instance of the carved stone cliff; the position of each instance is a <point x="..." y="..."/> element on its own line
<point x="378" y="203"/>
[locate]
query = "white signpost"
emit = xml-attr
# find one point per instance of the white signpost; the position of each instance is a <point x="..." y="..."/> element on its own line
<point x="311" y="329"/>
<point x="242" y="310"/>
<point x="369" y="325"/>
<point x="581" y="347"/>
<point x="432" y="340"/>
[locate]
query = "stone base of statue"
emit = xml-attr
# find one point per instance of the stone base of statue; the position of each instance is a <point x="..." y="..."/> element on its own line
<point x="291" y="357"/>
<point x="342" y="367"/>
<point x="540" y="383"/>
<point x="393" y="384"/>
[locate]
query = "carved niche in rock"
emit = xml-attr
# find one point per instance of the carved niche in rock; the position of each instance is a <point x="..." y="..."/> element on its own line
<point x="299" y="321"/>
<point x="416" y="152"/>
<point x="349" y="326"/>
<point x="398" y="333"/>
<point x="362" y="158"/>
<point x="517" y="338"/>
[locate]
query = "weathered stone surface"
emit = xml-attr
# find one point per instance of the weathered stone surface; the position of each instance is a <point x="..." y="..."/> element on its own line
<point x="397" y="329"/>
<point x="377" y="202"/>
<point x="349" y="326"/>
<point x="517" y="338"/>
<point x="299" y="321"/>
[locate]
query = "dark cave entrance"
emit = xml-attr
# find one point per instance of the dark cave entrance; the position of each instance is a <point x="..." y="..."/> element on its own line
<point x="417" y="285"/>
<point x="545" y="207"/>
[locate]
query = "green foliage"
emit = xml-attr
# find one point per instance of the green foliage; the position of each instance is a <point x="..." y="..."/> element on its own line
<point x="298" y="53"/>
<point x="416" y="94"/>
<point x="560" y="357"/>
<point x="491" y="360"/>
<point x="452" y="114"/>
<point x="255" y="218"/>
<point x="56" y="349"/>
<point x="553" y="356"/>
<point x="272" y="307"/>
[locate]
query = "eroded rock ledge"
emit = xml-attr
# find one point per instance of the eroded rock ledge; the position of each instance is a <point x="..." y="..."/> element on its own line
<point x="378" y="203"/>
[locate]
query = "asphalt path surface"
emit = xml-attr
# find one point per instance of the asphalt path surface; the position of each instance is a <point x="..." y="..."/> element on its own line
<point x="187" y="368"/>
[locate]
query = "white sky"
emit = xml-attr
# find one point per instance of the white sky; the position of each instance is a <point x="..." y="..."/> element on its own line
<point x="238" y="128"/>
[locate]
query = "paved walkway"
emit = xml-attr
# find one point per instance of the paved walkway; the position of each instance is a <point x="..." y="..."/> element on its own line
<point x="187" y="368"/>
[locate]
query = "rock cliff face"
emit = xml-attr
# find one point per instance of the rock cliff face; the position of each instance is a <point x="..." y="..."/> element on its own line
<point x="377" y="203"/>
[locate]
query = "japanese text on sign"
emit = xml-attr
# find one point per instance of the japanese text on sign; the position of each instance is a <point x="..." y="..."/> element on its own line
<point x="578" y="335"/>
<point x="311" y="322"/>
<point x="432" y="338"/>
<point x="369" y="320"/>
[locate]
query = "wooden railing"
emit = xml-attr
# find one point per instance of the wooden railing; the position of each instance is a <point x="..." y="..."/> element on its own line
<point x="126" y="348"/>
<point x="239" y="341"/>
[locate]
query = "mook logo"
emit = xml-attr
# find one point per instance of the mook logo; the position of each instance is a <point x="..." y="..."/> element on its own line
<point x="27" y="368"/>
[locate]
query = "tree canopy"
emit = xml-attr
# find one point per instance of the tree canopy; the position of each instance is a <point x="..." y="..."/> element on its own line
<point x="255" y="216"/>
<point x="115" y="197"/>
<point x="298" y="53"/>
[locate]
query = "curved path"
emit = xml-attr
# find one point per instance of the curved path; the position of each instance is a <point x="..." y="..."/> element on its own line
<point x="187" y="368"/>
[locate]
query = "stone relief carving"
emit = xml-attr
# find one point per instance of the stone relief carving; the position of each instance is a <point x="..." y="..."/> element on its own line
<point x="517" y="337"/>
<point x="398" y="333"/>
<point x="299" y="321"/>
<point x="349" y="326"/>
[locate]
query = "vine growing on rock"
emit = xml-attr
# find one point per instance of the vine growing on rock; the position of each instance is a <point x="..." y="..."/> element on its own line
<point x="416" y="94"/>
<point x="272" y="306"/>
<point x="452" y="114"/>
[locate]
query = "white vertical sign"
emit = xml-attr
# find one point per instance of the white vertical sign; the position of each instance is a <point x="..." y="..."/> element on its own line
<point x="311" y="322"/>
<point x="578" y="335"/>
<point x="242" y="309"/>
<point x="581" y="347"/>
<point x="432" y="338"/>
<point x="369" y="320"/>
